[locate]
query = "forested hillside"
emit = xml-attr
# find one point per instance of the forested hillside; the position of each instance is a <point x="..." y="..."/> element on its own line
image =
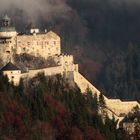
<point x="48" y="108"/>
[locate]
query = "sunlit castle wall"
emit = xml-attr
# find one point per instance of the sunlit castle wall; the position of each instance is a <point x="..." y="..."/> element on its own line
<point x="44" y="45"/>
<point x="7" y="49"/>
<point x="13" y="76"/>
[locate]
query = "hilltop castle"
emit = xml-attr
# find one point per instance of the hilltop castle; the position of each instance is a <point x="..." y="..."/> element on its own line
<point x="44" y="45"/>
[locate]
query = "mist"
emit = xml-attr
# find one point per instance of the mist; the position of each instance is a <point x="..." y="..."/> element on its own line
<point x="32" y="10"/>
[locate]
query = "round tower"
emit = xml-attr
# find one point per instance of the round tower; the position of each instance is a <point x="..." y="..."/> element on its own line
<point x="6" y="30"/>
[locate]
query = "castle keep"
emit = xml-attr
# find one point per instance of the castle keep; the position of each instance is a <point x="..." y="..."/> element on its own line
<point x="47" y="44"/>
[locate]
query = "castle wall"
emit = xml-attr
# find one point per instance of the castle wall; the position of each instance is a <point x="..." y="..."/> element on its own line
<point x="46" y="71"/>
<point x="115" y="107"/>
<point x="39" y="45"/>
<point x="5" y="52"/>
<point x="7" y="49"/>
<point x="121" y="107"/>
<point x="67" y="63"/>
<point x="84" y="84"/>
<point x="43" y="45"/>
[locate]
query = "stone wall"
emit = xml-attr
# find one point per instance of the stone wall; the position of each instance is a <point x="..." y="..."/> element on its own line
<point x="84" y="84"/>
<point x="43" y="45"/>
<point x="7" y="49"/>
<point x="115" y="107"/>
<point x="46" y="71"/>
<point x="121" y="107"/>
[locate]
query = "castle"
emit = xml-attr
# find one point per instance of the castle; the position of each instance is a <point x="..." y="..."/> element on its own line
<point x="44" y="45"/>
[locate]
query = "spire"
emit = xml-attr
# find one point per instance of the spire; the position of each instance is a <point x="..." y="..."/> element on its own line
<point x="6" y="29"/>
<point x="6" y="21"/>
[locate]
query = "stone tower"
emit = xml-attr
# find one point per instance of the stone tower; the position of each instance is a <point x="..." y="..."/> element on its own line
<point x="6" y="29"/>
<point x="7" y="39"/>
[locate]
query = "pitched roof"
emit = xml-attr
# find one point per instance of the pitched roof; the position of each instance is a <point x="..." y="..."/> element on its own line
<point x="9" y="66"/>
<point x="6" y="17"/>
<point x="52" y="34"/>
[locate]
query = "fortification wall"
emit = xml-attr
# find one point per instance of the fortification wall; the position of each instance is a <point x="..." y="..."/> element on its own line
<point x="67" y="63"/>
<point x="84" y="84"/>
<point x="46" y="71"/>
<point x="5" y="52"/>
<point x="121" y="107"/>
<point x="114" y="106"/>
<point x="7" y="49"/>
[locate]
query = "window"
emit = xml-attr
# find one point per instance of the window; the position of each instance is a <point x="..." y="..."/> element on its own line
<point x="28" y="43"/>
<point x="8" y="52"/>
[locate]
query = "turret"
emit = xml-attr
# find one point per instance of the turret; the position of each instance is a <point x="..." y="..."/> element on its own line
<point x="6" y="21"/>
<point x="6" y="30"/>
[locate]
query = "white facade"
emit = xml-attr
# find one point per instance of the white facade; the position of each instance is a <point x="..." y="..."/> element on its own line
<point x="13" y="76"/>
<point x="8" y="34"/>
<point x="34" y="31"/>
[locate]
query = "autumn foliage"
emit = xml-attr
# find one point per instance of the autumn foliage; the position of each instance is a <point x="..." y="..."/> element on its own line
<point x="45" y="110"/>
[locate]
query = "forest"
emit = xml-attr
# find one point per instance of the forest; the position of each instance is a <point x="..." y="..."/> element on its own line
<point x="48" y="108"/>
<point x="108" y="45"/>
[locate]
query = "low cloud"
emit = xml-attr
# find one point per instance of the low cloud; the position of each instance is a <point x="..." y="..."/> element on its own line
<point x="33" y="9"/>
